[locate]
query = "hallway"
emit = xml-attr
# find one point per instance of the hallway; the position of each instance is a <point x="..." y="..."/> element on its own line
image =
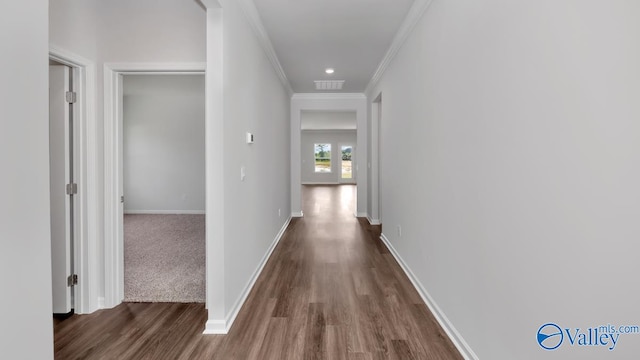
<point x="331" y="290"/>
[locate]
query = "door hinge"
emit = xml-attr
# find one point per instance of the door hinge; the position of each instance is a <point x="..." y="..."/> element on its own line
<point x="70" y="97"/>
<point x="122" y="199"/>
<point x="72" y="189"/>
<point x="72" y="280"/>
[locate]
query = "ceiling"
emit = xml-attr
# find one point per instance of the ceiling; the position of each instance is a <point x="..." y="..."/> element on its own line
<point x="327" y="120"/>
<point x="350" y="36"/>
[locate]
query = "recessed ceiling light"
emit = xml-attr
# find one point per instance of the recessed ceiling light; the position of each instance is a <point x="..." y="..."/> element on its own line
<point x="329" y="70"/>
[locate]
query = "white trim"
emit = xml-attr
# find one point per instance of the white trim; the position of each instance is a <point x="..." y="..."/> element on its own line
<point x="361" y="214"/>
<point x="223" y="327"/>
<point x="214" y="165"/>
<point x="373" y="221"/>
<point x="354" y="129"/>
<point x="374" y="160"/>
<point x="113" y="185"/>
<point x="216" y="327"/>
<point x="328" y="96"/>
<point x="253" y="17"/>
<point x="416" y="12"/>
<point x="86" y="257"/>
<point x="453" y="334"/>
<point x="187" y="68"/>
<point x="165" y="212"/>
<point x="298" y="214"/>
<point x="101" y="302"/>
<point x="113" y="270"/>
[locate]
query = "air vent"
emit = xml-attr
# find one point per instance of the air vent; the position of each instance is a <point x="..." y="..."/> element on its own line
<point x="329" y="84"/>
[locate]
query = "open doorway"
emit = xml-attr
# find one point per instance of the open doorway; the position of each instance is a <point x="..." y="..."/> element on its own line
<point x="163" y="157"/>
<point x="303" y="105"/>
<point x="327" y="148"/>
<point x="114" y="165"/>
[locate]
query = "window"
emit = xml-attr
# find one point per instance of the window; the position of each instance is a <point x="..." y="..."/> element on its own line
<point x="347" y="151"/>
<point x="323" y="157"/>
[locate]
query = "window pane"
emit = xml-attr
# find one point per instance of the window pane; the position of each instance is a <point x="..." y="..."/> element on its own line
<point x="322" y="157"/>
<point x="346" y="162"/>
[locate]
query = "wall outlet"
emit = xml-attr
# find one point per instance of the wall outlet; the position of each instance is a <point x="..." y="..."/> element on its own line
<point x="399" y="231"/>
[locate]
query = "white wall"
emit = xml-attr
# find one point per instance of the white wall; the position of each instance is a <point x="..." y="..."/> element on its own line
<point x="26" y="329"/>
<point x="151" y="31"/>
<point x="336" y="138"/>
<point x="254" y="101"/>
<point x="164" y="144"/>
<point x="328" y="120"/>
<point x="73" y="26"/>
<point x="524" y="210"/>
<point x="141" y="31"/>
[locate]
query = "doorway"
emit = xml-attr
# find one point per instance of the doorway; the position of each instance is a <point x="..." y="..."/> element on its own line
<point x="113" y="176"/>
<point x="327" y="147"/>
<point x="163" y="157"/>
<point x="301" y="170"/>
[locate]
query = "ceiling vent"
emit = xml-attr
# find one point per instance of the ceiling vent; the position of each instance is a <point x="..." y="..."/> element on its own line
<point x="329" y="84"/>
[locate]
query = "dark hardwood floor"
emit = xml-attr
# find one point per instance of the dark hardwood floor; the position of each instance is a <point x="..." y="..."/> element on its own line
<point x="331" y="290"/>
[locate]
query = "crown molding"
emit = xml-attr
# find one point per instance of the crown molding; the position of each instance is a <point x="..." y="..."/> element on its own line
<point x="328" y="96"/>
<point x="252" y="15"/>
<point x="416" y="11"/>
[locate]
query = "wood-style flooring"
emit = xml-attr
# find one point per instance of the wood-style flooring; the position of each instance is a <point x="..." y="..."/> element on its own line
<point x="331" y="290"/>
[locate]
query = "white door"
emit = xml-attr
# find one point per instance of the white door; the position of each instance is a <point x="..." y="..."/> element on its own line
<point x="60" y="167"/>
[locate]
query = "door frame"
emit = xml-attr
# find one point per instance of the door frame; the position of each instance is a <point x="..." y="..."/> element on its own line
<point x="328" y="101"/>
<point x="375" y="131"/>
<point x="113" y="176"/>
<point x="86" y="209"/>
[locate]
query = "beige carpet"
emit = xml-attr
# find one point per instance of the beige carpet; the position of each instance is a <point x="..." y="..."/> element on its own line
<point x="164" y="258"/>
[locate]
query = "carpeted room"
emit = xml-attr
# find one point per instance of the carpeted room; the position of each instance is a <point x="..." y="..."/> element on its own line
<point x="164" y="188"/>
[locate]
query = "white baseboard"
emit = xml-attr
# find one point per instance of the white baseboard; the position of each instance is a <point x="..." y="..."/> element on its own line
<point x="215" y="327"/>
<point x="223" y="326"/>
<point x="362" y="214"/>
<point x="453" y="334"/>
<point x="165" y="212"/>
<point x="373" y="221"/>
<point x="297" y="214"/>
